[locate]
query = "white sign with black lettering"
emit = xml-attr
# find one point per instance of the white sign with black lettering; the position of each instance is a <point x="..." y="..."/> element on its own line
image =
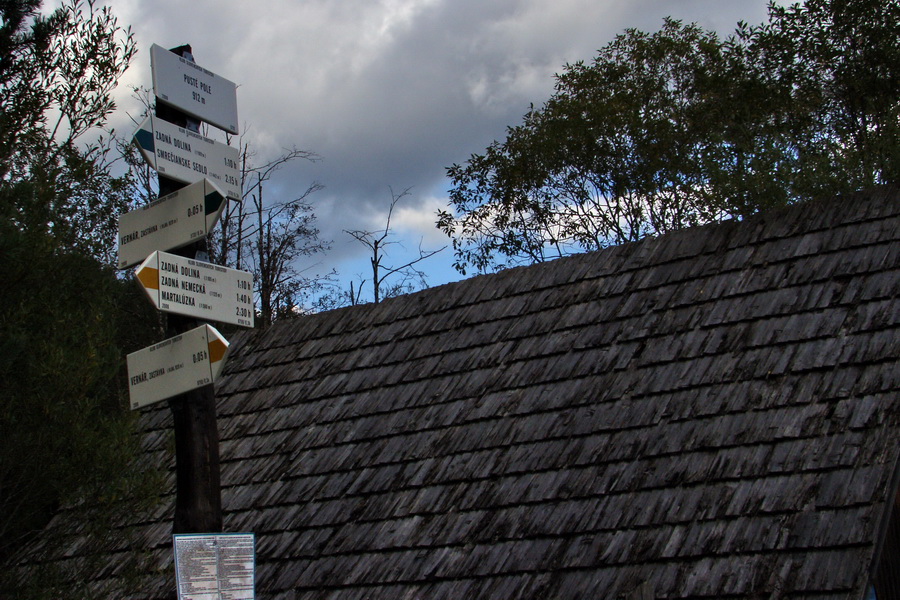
<point x="190" y="88"/>
<point x="186" y="156"/>
<point x="198" y="289"/>
<point x="215" y="566"/>
<point x="176" y="365"/>
<point x="173" y="221"/>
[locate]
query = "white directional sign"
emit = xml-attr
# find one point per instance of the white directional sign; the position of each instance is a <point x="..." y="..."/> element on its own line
<point x="198" y="289"/>
<point x="194" y="90"/>
<point x="189" y="157"/>
<point x="176" y="365"/>
<point x="171" y="222"/>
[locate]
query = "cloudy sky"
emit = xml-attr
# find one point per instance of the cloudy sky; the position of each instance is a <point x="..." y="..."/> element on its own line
<point x="389" y="92"/>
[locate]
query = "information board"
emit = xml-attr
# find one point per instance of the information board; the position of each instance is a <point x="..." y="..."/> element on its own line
<point x="215" y="566"/>
<point x="189" y="87"/>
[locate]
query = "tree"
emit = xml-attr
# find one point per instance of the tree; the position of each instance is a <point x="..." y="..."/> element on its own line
<point x="679" y="127"/>
<point x="377" y="243"/>
<point x="283" y="233"/>
<point x="142" y="178"/>
<point x="840" y="60"/>
<point x="64" y="430"/>
<point x="65" y="317"/>
<point x="57" y="74"/>
<point x="267" y="238"/>
<point x="613" y="156"/>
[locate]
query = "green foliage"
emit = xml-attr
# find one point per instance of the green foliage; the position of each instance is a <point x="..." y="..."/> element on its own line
<point x="679" y="127"/>
<point x="67" y="438"/>
<point x="840" y="60"/>
<point x="64" y="428"/>
<point x="57" y="74"/>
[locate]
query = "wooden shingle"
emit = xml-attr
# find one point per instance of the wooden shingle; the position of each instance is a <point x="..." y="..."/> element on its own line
<point x="709" y="414"/>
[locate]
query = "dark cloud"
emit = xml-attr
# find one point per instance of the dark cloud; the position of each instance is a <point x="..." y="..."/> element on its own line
<point x="390" y="93"/>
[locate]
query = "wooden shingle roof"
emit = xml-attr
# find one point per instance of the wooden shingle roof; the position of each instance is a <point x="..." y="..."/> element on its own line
<point x="709" y="414"/>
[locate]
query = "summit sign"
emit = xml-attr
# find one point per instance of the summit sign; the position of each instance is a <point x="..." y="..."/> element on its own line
<point x="194" y="90"/>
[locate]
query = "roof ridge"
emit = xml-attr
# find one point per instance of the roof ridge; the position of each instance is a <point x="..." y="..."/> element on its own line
<point x="808" y="217"/>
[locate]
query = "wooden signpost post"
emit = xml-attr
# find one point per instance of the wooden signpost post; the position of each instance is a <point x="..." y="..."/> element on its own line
<point x="182" y="368"/>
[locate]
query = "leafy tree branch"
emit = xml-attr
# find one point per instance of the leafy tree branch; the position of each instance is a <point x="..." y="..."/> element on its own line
<point x="680" y="127"/>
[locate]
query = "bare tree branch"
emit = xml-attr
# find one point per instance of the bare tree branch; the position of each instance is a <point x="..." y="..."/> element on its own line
<point x="376" y="242"/>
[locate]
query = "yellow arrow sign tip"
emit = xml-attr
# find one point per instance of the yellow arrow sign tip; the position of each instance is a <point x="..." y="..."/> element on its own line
<point x="217" y="349"/>
<point x="149" y="278"/>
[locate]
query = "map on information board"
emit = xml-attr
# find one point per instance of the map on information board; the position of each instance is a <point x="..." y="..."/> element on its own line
<point x="215" y="566"/>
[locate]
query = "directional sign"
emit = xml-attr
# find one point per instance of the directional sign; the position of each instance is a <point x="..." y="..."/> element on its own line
<point x="194" y="90"/>
<point x="188" y="157"/>
<point x="199" y="289"/>
<point x="176" y="365"/>
<point x="171" y="222"/>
